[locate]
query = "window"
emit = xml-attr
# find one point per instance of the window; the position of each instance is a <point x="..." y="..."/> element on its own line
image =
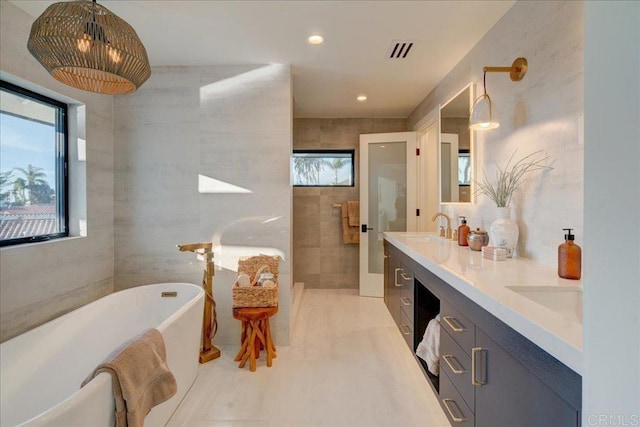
<point x="33" y="179"/>
<point x="464" y="168"/>
<point x="323" y="168"/>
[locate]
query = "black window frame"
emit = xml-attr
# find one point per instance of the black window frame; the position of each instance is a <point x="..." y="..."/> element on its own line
<point x="328" y="152"/>
<point x="62" y="165"/>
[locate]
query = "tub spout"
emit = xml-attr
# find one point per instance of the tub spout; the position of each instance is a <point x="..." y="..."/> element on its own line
<point x="209" y="321"/>
<point x="196" y="247"/>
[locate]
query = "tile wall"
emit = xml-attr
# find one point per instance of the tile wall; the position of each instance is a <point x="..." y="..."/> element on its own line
<point x="41" y="281"/>
<point x="544" y="112"/>
<point x="202" y="155"/>
<point x="320" y="258"/>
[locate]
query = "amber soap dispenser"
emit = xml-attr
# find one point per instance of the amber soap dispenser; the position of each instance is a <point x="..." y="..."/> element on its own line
<point x="463" y="233"/>
<point x="569" y="257"/>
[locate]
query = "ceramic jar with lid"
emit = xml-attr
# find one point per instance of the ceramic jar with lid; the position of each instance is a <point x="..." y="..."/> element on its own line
<point x="477" y="239"/>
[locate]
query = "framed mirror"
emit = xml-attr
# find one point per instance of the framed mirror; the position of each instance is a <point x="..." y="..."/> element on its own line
<point x="456" y="149"/>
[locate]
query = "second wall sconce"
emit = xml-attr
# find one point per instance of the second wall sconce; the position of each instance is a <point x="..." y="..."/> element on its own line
<point x="483" y="113"/>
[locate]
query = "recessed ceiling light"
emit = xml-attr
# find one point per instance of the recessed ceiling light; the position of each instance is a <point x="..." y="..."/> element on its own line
<point x="362" y="98"/>
<point x="316" y="39"/>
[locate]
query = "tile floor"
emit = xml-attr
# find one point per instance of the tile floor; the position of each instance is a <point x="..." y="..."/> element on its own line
<point x="347" y="365"/>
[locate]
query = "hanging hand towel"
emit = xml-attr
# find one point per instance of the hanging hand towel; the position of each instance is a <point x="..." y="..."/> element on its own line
<point x="350" y="234"/>
<point x="353" y="210"/>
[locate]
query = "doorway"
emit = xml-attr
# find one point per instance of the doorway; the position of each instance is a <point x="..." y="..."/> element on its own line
<point x="388" y="197"/>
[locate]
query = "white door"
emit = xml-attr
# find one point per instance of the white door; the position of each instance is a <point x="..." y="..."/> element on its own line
<point x="427" y="175"/>
<point x="387" y="200"/>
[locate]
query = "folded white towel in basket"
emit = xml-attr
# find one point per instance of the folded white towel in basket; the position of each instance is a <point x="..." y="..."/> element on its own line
<point x="429" y="348"/>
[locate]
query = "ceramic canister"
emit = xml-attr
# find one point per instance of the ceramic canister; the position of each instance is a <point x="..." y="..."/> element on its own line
<point x="477" y="239"/>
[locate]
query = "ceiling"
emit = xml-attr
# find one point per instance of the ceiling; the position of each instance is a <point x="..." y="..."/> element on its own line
<point x="353" y="59"/>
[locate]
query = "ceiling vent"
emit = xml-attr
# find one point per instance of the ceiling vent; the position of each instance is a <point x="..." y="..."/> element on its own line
<point x="399" y="49"/>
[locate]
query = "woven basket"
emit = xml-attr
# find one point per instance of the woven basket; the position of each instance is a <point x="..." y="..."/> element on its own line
<point x="256" y="296"/>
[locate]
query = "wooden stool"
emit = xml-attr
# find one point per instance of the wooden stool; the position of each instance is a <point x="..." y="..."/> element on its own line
<point x="256" y="335"/>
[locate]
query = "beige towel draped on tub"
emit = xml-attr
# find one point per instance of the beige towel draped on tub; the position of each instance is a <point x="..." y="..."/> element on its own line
<point x="140" y="378"/>
<point x="351" y="222"/>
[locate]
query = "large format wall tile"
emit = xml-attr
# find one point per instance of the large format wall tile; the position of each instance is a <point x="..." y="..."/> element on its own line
<point x="41" y="281"/>
<point x="543" y="111"/>
<point x="321" y="260"/>
<point x="225" y="123"/>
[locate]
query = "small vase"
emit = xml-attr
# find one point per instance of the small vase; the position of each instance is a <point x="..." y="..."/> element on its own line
<point x="504" y="231"/>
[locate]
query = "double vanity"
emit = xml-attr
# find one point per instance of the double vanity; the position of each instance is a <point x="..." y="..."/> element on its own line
<point x="510" y="331"/>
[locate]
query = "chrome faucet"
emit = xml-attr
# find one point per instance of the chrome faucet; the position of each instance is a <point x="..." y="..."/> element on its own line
<point x="448" y="233"/>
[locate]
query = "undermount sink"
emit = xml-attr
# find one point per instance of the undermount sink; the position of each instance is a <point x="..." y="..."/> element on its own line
<point x="425" y="237"/>
<point x="564" y="300"/>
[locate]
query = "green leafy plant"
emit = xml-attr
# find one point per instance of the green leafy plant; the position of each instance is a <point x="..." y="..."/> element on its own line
<point x="509" y="178"/>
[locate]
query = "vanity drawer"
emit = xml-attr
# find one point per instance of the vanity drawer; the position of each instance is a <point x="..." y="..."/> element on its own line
<point x="456" y="364"/>
<point x="406" y="303"/>
<point x="403" y="279"/>
<point x="455" y="408"/>
<point x="459" y="327"/>
<point x="406" y="329"/>
<point x="408" y="285"/>
<point x="407" y="314"/>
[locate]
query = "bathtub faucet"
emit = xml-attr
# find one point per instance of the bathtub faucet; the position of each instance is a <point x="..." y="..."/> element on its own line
<point x="209" y="321"/>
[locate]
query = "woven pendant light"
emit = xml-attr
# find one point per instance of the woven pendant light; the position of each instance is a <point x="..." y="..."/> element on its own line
<point x="85" y="45"/>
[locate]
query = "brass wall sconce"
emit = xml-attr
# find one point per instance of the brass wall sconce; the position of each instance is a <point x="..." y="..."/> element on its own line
<point x="483" y="113"/>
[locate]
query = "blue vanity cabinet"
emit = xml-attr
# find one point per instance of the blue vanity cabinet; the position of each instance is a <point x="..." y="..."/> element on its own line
<point x="511" y="395"/>
<point x="387" y="281"/>
<point x="399" y="294"/>
<point x="391" y="289"/>
<point x="406" y="298"/>
<point x="490" y="375"/>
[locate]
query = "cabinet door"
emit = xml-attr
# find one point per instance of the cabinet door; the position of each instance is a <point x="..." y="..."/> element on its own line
<point x="392" y="291"/>
<point x="387" y="279"/>
<point x="512" y="395"/>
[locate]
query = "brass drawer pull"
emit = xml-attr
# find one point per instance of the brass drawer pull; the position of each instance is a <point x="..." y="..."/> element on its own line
<point x="477" y="366"/>
<point x="447" y="358"/>
<point x="396" y="278"/>
<point x="454" y="324"/>
<point x="455" y="419"/>
<point x="404" y="328"/>
<point x="405" y="301"/>
<point x="405" y="277"/>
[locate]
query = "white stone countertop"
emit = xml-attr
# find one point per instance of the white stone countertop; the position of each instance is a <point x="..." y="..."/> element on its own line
<point x="486" y="282"/>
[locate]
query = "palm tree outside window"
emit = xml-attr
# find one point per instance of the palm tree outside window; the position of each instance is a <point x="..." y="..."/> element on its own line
<point x="323" y="168"/>
<point x="33" y="165"/>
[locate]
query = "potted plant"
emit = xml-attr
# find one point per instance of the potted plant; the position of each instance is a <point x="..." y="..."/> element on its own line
<point x="504" y="231"/>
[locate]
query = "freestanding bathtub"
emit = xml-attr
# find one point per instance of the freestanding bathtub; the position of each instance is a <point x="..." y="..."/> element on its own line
<point x="41" y="370"/>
